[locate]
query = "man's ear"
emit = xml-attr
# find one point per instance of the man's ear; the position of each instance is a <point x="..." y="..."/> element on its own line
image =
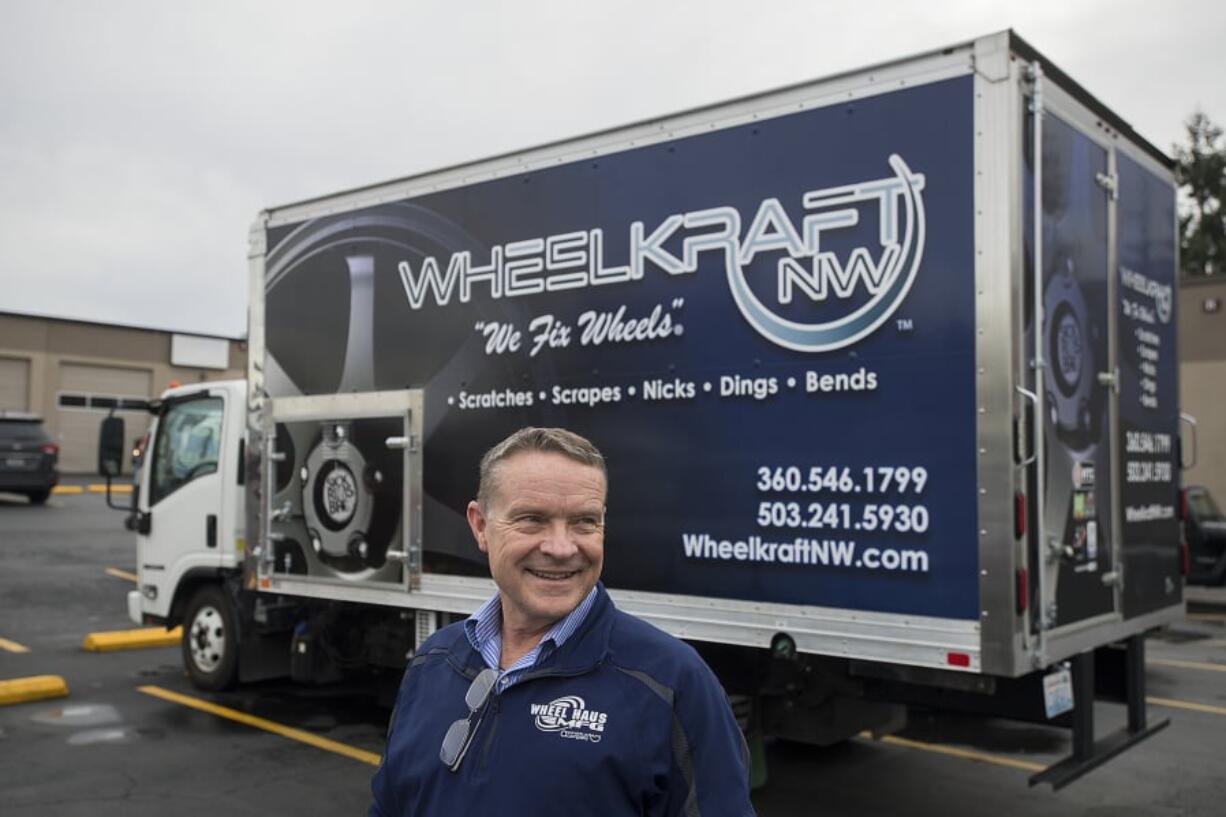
<point x="476" y="523"/>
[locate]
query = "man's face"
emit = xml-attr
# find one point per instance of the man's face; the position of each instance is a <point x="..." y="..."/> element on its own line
<point x="544" y="534"/>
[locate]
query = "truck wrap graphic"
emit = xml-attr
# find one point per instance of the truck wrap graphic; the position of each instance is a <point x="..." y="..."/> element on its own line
<point x="1149" y="391"/>
<point x="767" y="327"/>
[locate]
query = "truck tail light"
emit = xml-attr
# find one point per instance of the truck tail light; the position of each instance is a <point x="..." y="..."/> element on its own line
<point x="1185" y="561"/>
<point x="958" y="659"/>
<point x="1183" y="505"/>
<point x="1019" y="515"/>
<point x="1023" y="590"/>
<point x="51" y="448"/>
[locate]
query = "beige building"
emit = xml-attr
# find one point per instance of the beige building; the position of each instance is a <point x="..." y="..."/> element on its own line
<point x="1202" y="378"/>
<point x="73" y="374"/>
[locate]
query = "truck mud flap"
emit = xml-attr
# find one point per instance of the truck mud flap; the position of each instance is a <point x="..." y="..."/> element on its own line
<point x="1089" y="753"/>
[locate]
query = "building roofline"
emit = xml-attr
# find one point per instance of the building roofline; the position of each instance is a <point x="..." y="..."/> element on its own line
<point x="34" y="315"/>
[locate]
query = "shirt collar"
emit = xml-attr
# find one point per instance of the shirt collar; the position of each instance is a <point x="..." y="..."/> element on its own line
<point x="484" y="627"/>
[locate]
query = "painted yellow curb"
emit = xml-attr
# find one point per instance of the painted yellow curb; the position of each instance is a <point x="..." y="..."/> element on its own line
<point x="126" y="488"/>
<point x="132" y="639"/>
<point x="34" y="688"/>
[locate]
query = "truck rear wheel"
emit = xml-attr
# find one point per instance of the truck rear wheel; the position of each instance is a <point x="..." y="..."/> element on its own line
<point x="210" y="640"/>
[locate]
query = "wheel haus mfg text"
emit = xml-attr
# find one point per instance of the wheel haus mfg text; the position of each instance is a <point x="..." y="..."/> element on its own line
<point x="570" y="717"/>
<point x="575" y="260"/>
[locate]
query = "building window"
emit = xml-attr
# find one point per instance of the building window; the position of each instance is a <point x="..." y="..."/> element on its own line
<point x="101" y="402"/>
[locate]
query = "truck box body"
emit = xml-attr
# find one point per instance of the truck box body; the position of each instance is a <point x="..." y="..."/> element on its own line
<point x="799" y="325"/>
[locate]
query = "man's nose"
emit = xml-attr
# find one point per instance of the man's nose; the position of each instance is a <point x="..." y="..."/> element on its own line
<point x="557" y="541"/>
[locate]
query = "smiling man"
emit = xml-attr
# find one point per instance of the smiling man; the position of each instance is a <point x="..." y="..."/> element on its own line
<point x="549" y="700"/>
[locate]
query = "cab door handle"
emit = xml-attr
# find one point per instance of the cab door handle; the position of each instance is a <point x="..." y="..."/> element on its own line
<point x="210" y="530"/>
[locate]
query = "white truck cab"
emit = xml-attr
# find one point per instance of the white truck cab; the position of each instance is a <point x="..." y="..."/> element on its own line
<point x="189" y="499"/>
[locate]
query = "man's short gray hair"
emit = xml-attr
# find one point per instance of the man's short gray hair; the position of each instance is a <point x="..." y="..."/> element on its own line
<point x="547" y="440"/>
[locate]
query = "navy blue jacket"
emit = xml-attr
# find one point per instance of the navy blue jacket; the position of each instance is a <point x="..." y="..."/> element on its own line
<point x="622" y="719"/>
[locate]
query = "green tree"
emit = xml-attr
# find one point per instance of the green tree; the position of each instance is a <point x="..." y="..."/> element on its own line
<point x="1201" y="169"/>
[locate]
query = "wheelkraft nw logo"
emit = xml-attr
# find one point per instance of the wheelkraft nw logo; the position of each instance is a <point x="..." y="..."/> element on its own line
<point x="867" y="282"/>
<point x="570" y="717"/>
<point x="888" y="280"/>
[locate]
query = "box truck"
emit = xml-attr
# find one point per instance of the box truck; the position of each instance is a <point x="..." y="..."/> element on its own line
<point x="883" y="365"/>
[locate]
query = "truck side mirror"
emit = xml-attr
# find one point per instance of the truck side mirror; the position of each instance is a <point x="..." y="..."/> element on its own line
<point x="110" y="447"/>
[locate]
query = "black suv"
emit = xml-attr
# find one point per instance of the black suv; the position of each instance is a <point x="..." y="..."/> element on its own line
<point x="1205" y="528"/>
<point x="27" y="457"/>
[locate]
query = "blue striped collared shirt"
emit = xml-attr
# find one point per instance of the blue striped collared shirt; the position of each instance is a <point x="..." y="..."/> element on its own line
<point x="484" y="631"/>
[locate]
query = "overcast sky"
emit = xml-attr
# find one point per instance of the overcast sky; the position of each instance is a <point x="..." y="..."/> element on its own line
<point x="138" y="140"/>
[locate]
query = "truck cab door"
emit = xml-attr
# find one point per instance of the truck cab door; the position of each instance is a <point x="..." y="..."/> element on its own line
<point x="181" y="509"/>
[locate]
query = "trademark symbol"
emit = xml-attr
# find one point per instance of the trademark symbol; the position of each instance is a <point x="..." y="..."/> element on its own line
<point x="904" y="325"/>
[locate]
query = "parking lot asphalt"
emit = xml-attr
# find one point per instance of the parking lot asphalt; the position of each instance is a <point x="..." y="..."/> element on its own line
<point x="133" y="737"/>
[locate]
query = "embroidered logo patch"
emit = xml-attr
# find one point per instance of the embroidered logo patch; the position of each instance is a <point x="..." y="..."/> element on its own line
<point x="570" y="717"/>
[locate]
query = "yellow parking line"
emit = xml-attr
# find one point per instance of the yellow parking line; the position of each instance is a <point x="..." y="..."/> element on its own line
<point x="121" y="574"/>
<point x="1171" y="662"/>
<point x="966" y="754"/>
<point x="1195" y="707"/>
<point x="132" y="639"/>
<point x="1207" y="616"/>
<point x="260" y="723"/>
<point x="12" y="646"/>
<point x="34" y="688"/>
<point x="68" y="489"/>
<point x="125" y="488"/>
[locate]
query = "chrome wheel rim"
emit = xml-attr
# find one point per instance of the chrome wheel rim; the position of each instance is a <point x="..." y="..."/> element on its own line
<point x="207" y="639"/>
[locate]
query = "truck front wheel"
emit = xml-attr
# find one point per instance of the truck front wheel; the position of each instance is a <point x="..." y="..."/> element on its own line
<point x="210" y="640"/>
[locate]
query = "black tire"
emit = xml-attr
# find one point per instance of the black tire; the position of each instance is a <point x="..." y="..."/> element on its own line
<point x="39" y="497"/>
<point x="210" y="640"/>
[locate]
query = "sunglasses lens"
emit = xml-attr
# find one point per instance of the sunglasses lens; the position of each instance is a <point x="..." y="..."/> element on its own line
<point x="480" y="689"/>
<point x="453" y="742"/>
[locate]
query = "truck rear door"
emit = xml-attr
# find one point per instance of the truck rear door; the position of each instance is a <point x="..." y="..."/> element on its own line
<point x="1078" y="552"/>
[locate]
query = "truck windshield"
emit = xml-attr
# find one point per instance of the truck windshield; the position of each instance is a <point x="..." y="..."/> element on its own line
<point x="188" y="441"/>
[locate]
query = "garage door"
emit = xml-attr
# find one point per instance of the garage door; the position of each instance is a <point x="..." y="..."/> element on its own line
<point x="14" y="384"/>
<point x="86" y="394"/>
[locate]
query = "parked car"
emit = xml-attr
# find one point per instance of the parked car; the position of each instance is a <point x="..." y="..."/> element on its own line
<point x="1205" y="529"/>
<point x="28" y="456"/>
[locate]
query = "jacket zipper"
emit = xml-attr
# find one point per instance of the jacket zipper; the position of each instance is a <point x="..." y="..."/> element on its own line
<point x="489" y="733"/>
